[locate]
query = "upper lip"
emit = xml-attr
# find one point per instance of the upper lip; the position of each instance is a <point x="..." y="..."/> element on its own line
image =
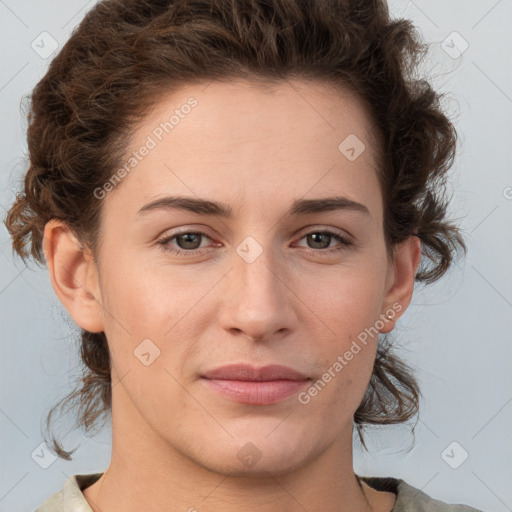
<point x="246" y="372"/>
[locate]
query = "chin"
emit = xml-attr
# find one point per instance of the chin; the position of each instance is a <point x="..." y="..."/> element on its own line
<point x="256" y="454"/>
<point x="275" y="464"/>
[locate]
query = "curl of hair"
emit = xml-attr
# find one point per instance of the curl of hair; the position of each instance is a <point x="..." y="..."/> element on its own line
<point x="127" y="54"/>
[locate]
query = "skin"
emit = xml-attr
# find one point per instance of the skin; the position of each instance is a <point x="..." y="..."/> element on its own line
<point x="175" y="441"/>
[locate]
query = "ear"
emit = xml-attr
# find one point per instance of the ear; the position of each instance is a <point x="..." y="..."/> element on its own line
<point x="400" y="282"/>
<point x="74" y="275"/>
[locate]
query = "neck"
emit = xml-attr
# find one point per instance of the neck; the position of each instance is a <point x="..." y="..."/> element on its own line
<point x="145" y="469"/>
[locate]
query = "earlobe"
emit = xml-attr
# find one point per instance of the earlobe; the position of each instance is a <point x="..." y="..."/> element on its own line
<point x="406" y="259"/>
<point x="74" y="275"/>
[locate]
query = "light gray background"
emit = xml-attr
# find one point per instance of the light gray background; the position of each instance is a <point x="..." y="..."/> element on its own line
<point x="457" y="334"/>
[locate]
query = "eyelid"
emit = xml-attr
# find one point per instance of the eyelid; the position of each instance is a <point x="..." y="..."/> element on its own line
<point x="344" y="241"/>
<point x="319" y="228"/>
<point x="315" y="228"/>
<point x="169" y="234"/>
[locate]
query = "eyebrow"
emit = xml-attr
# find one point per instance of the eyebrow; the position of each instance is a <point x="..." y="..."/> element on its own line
<point x="298" y="207"/>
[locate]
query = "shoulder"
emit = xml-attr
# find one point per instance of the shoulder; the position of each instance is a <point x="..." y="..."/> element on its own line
<point x="411" y="499"/>
<point x="70" y="498"/>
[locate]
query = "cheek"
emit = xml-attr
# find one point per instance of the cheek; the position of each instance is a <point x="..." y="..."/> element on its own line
<point x="347" y="306"/>
<point x="346" y="361"/>
<point x="152" y="311"/>
<point x="347" y="298"/>
<point x="146" y="299"/>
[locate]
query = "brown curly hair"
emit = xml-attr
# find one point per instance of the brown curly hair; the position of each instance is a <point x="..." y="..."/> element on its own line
<point x="126" y="54"/>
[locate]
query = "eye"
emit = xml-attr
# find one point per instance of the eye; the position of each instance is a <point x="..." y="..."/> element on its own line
<point x="189" y="242"/>
<point x="322" y="239"/>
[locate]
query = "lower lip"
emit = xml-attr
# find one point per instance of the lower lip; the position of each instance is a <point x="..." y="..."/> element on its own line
<point x="256" y="393"/>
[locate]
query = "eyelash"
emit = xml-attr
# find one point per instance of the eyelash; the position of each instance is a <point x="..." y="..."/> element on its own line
<point x="164" y="243"/>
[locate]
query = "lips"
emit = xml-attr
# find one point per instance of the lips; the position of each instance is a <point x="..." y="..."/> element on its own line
<point x="255" y="386"/>
<point x="245" y="372"/>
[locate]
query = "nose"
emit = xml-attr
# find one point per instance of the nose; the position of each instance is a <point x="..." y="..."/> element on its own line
<point x="259" y="301"/>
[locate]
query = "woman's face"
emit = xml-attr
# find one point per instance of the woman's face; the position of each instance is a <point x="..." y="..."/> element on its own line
<point x="261" y="286"/>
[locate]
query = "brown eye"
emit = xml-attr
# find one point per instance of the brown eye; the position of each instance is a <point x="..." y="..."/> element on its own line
<point x="321" y="240"/>
<point x="188" y="240"/>
<point x="188" y="243"/>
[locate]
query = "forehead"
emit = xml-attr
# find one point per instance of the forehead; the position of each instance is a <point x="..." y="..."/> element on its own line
<point x="241" y="112"/>
<point x="237" y="140"/>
